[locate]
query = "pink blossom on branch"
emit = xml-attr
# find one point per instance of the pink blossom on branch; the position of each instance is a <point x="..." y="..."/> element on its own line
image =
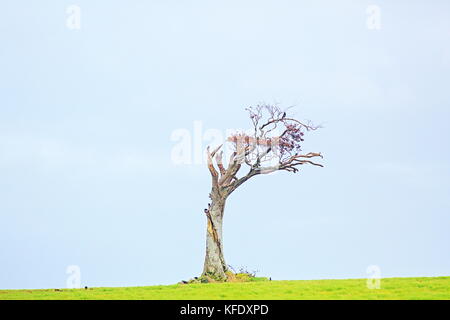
<point x="279" y="136"/>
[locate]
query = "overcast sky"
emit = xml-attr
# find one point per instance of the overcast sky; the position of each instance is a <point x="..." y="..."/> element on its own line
<point x="89" y="116"/>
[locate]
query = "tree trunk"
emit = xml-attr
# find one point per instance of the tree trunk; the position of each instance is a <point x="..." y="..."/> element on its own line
<point x="215" y="265"/>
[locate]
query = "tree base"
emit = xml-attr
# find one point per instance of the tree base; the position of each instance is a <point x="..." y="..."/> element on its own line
<point x="230" y="277"/>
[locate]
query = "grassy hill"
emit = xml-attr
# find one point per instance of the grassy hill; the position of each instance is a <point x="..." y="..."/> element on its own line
<point x="391" y="288"/>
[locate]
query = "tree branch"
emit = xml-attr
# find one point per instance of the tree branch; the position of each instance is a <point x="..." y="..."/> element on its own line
<point x="220" y="163"/>
<point x="211" y="168"/>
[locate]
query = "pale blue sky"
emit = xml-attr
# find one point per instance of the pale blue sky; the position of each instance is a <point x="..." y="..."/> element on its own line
<point x="86" y="117"/>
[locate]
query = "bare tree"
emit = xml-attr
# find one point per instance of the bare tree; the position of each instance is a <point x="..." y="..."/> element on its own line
<point x="274" y="144"/>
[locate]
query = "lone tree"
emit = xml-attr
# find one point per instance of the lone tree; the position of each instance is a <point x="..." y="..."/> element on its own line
<point x="274" y="144"/>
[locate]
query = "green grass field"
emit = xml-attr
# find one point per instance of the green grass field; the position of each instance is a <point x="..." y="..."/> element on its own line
<point x="391" y="288"/>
